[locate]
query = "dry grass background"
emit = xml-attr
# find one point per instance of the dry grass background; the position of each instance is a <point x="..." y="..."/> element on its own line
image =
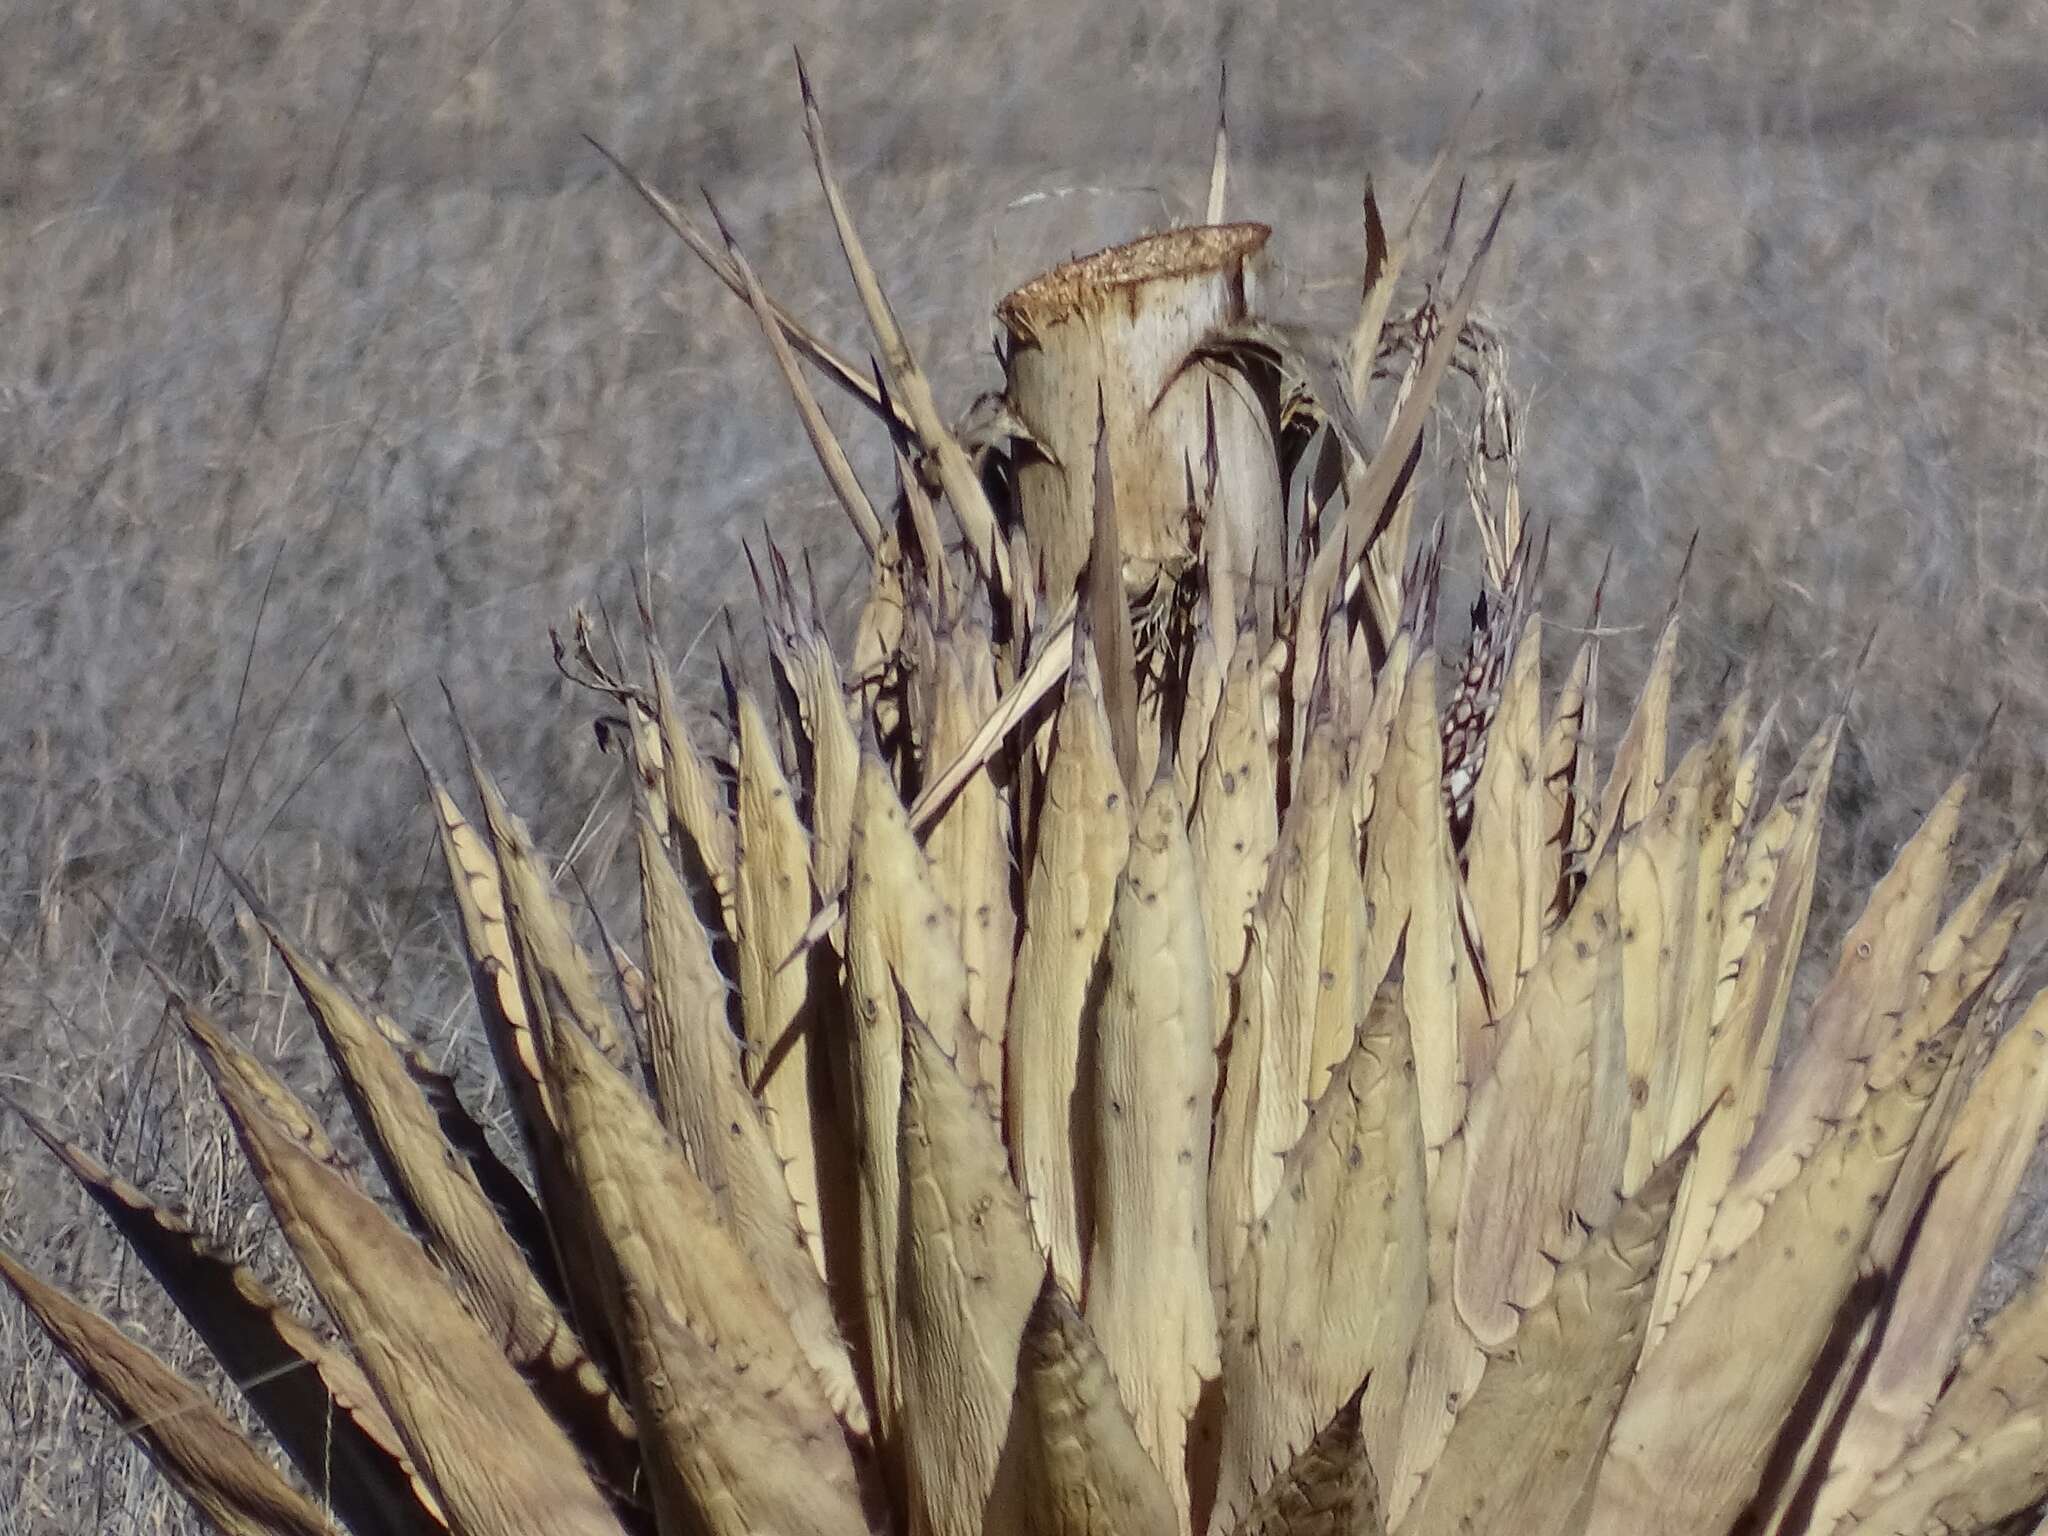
<point x="336" y="305"/>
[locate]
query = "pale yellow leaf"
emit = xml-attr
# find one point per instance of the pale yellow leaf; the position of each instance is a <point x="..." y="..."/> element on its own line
<point x="779" y="1016"/>
<point x="1149" y="1301"/>
<point x="1526" y="1445"/>
<point x="1083" y="836"/>
<point x="970" y="1274"/>
<point x="1074" y="1465"/>
<point x="1346" y="1224"/>
<point x="1328" y="1490"/>
<point x="706" y="1104"/>
<point x="449" y="1390"/>
<point x="1698" y="1426"/>
<point x="1235" y="823"/>
<point x="1985" y="1157"/>
<point x="1507" y="884"/>
<point x="1764" y="927"/>
<point x="1547" y="1131"/>
<point x="191" y="1441"/>
<point x="1410" y="887"/>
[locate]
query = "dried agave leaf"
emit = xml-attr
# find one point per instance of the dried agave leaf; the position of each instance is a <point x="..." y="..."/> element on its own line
<point x="1566" y="805"/>
<point x="918" y="658"/>
<point x="697" y="802"/>
<point x="1348" y="1224"/>
<point x="911" y="919"/>
<point x="1202" y="697"/>
<point x="1283" y="978"/>
<point x="1342" y="994"/>
<point x="1083" y="837"/>
<point x="1845" y="1026"/>
<point x="1150" y="1304"/>
<point x="1979" y="1489"/>
<point x="254" y="1083"/>
<point x="1764" y="930"/>
<point x="1956" y="974"/>
<point x="1682" y="1086"/>
<point x="835" y="758"/>
<point x="1327" y="1490"/>
<point x="1300" y="376"/>
<point x="969" y="848"/>
<point x="632" y="985"/>
<point x="1379" y="578"/>
<point x="746" y="1467"/>
<point x="1505" y="848"/>
<point x="776" y="1009"/>
<point x="380" y="1065"/>
<point x="707" y="1105"/>
<point x="907" y="381"/>
<point x="615" y="1135"/>
<point x="874" y="1071"/>
<point x="969" y="1277"/>
<point x="1219" y="159"/>
<point x="443" y="1201"/>
<point x="1659" y="878"/>
<point x="1052" y="658"/>
<point x="693" y="1056"/>
<point x="1235" y="824"/>
<point x="1983" y="1162"/>
<point x="936" y="593"/>
<point x="494" y="967"/>
<point x="1074" y="1465"/>
<point x="1960" y="931"/>
<point x="892" y="916"/>
<point x="1448" y="1363"/>
<point x="1410" y="887"/>
<point x="1779" y="1507"/>
<point x="1376" y="731"/>
<point x="454" y="1398"/>
<point x="191" y="1441"/>
<point x="1545" y="1138"/>
<point x="1749" y="768"/>
<point x="1234" y="1154"/>
<point x="1526" y="1445"/>
<point x="1992" y="1485"/>
<point x="312" y="1397"/>
<point x="1371" y="490"/>
<point x="875" y="665"/>
<point x="840" y="370"/>
<point x="1983" y="1453"/>
<point x="1106" y="616"/>
<point x="649" y="757"/>
<point x="538" y="932"/>
<point x="824" y="442"/>
<point x="814" y="701"/>
<point x="1384" y="261"/>
<point x="712" y="1357"/>
<point x="1696" y="1431"/>
<point x="1639" y="760"/>
<point x="542" y="929"/>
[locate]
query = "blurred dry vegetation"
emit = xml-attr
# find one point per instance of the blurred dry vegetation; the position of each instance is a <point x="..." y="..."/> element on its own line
<point x="333" y="363"/>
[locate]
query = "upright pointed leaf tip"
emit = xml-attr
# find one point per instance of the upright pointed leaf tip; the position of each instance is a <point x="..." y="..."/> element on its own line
<point x="1073" y="1464"/>
<point x="1219" y="160"/>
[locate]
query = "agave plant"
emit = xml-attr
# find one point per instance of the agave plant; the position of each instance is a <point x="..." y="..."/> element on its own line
<point x="1138" y="1043"/>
